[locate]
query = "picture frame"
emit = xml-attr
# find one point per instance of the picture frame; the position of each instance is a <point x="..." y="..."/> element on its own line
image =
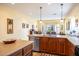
<point x="23" y="25"/>
<point x="76" y="22"/>
<point x="9" y="26"/>
<point x="32" y="26"/>
<point x="27" y="25"/>
<point x="68" y="25"/>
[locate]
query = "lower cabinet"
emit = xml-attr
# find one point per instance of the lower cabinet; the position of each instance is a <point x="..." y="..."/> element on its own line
<point x="53" y="45"/>
<point x="70" y="48"/>
<point x="43" y="44"/>
<point x="29" y="54"/>
<point x="26" y="51"/>
<point x="60" y="46"/>
<point x="17" y="53"/>
<point x="57" y="46"/>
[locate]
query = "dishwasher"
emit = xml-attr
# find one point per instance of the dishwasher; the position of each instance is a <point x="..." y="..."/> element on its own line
<point x="36" y="43"/>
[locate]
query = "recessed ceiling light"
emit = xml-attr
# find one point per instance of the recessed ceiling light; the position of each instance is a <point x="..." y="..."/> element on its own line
<point x="13" y="3"/>
<point x="31" y="13"/>
<point x="49" y="3"/>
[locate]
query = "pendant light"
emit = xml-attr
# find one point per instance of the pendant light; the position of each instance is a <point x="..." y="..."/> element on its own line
<point x="40" y="14"/>
<point x="61" y="12"/>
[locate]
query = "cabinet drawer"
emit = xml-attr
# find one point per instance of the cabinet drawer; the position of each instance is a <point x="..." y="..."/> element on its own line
<point x="17" y="53"/>
<point x="27" y="49"/>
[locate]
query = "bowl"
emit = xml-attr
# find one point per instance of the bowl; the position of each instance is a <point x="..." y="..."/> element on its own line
<point x="9" y="41"/>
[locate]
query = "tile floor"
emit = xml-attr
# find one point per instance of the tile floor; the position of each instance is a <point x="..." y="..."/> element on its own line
<point x="42" y="54"/>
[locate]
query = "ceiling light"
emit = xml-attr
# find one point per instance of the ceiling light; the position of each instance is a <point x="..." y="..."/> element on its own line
<point x="41" y="22"/>
<point x="49" y="3"/>
<point x="61" y="21"/>
<point x="40" y="13"/>
<point x="61" y="12"/>
<point x="13" y="3"/>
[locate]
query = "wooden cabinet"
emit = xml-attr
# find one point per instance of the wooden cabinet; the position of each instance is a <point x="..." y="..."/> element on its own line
<point x="60" y="46"/>
<point x="44" y="44"/>
<point x="19" y="48"/>
<point x="56" y="45"/>
<point x="17" y="53"/>
<point x="70" y="48"/>
<point x="29" y="54"/>
<point x="53" y="45"/>
<point x="27" y="50"/>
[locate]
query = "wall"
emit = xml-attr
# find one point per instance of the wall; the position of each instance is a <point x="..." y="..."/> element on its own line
<point x="18" y="19"/>
<point x="72" y="16"/>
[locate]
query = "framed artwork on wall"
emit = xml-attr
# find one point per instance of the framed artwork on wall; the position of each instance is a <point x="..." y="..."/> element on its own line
<point x="32" y="26"/>
<point x="76" y="22"/>
<point x="27" y="25"/>
<point x="68" y="25"/>
<point x="9" y="26"/>
<point x="23" y="25"/>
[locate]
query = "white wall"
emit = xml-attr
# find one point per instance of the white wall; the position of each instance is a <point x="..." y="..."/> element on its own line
<point x="73" y="26"/>
<point x="18" y="19"/>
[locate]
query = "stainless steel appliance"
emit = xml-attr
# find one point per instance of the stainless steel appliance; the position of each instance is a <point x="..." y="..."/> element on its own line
<point x="36" y="43"/>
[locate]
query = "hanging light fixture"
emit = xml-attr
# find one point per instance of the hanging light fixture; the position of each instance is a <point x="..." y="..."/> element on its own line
<point x="40" y="14"/>
<point x="61" y="12"/>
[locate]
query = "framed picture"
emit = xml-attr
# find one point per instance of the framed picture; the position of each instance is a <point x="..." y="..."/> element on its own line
<point x="23" y="25"/>
<point x="32" y="26"/>
<point x="68" y="25"/>
<point x="27" y="25"/>
<point x="9" y="26"/>
<point x="76" y="22"/>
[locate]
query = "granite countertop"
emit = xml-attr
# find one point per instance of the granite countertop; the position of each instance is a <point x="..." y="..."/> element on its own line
<point x="7" y="49"/>
<point x="73" y="39"/>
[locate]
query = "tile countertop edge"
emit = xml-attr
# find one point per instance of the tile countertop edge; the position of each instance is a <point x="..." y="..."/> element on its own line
<point x="73" y="40"/>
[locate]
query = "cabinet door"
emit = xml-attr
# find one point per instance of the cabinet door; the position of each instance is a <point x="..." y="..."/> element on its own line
<point x="62" y="46"/>
<point x="27" y="49"/>
<point x="53" y="45"/>
<point x="70" y="49"/>
<point x="44" y="44"/>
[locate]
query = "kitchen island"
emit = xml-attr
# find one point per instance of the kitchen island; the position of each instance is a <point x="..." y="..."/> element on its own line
<point x="19" y="48"/>
<point x="56" y="44"/>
